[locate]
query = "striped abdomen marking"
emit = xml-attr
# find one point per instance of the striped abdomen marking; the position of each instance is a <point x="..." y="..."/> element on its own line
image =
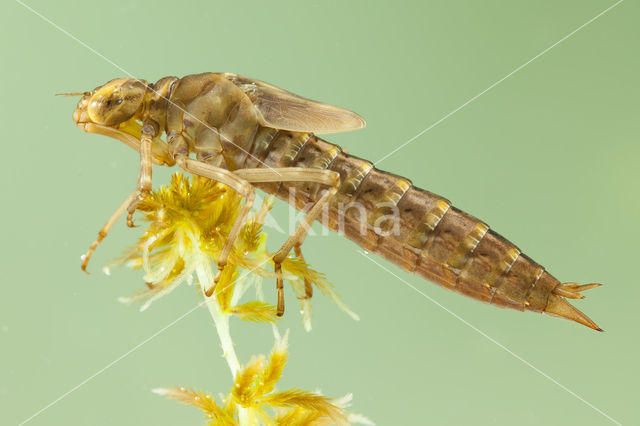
<point x="416" y="229"/>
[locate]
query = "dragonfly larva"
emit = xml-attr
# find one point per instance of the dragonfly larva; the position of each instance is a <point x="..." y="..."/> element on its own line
<point x="246" y="133"/>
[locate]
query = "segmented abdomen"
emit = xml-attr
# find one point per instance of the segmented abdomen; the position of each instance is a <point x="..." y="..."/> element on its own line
<point x="413" y="228"/>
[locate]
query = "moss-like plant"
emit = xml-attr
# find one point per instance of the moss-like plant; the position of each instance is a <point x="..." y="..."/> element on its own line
<point x="188" y="222"/>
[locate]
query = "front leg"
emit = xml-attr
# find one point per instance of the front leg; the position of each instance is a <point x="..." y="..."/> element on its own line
<point x="144" y="175"/>
<point x="106" y="228"/>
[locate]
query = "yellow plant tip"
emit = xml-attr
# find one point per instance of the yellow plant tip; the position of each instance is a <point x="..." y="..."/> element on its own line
<point x="355" y="418"/>
<point x="244" y="387"/>
<point x="256" y="311"/>
<point x="225" y="287"/>
<point x="276" y="333"/>
<point x="205" y="402"/>
<point x="140" y="296"/>
<point x="162" y="391"/>
<point x="335" y="298"/>
<point x="126" y="300"/>
<point x="298" y="416"/>
<point x="275" y="365"/>
<point x="267" y="205"/>
<point x="305" y="302"/>
<point x="305" y="400"/>
<point x="299" y="268"/>
<point x="344" y="401"/>
<point x="282" y="343"/>
<point x="250" y="237"/>
<point x="306" y="313"/>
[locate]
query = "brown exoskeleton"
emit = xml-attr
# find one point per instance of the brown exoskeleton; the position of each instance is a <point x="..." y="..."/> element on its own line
<point x="245" y="133"/>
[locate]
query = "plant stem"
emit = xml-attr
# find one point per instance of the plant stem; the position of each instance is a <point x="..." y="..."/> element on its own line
<point x="221" y="321"/>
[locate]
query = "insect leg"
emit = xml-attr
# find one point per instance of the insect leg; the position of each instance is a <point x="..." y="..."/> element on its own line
<point x="308" y="290"/>
<point x="294" y="174"/>
<point x="301" y="232"/>
<point x="148" y="132"/>
<point x="144" y="176"/>
<point x="240" y="185"/>
<point x="290" y="174"/>
<point x="107" y="226"/>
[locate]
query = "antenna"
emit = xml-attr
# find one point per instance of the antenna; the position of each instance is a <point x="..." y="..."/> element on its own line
<point x="73" y="94"/>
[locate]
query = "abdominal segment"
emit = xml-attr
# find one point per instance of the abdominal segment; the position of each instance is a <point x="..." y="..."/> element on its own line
<point x="417" y="230"/>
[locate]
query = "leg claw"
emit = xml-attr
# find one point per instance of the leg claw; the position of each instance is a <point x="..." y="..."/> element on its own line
<point x="133" y="207"/>
<point x="209" y="291"/>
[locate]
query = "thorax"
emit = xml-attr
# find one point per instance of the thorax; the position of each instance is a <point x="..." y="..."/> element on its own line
<point x="215" y="117"/>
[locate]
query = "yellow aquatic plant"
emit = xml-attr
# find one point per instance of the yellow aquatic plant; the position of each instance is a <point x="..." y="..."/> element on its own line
<point x="188" y="222"/>
<point x="253" y="398"/>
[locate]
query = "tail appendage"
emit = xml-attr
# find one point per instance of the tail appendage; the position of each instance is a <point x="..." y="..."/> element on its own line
<point x="558" y="305"/>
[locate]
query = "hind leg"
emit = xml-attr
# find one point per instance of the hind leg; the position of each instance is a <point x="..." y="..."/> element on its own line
<point x="295" y="174"/>
<point x="308" y="290"/>
<point x="296" y="239"/>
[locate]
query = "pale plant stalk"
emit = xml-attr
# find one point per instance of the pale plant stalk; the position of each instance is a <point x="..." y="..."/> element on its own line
<point x="221" y="321"/>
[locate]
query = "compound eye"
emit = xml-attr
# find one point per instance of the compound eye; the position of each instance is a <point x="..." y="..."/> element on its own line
<point x="113" y="102"/>
<point x="116" y="101"/>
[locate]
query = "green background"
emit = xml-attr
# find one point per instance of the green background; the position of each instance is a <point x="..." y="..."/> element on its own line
<point x="549" y="158"/>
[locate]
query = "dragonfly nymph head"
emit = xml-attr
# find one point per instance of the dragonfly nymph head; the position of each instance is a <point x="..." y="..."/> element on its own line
<point x="111" y="104"/>
<point x="115" y="110"/>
